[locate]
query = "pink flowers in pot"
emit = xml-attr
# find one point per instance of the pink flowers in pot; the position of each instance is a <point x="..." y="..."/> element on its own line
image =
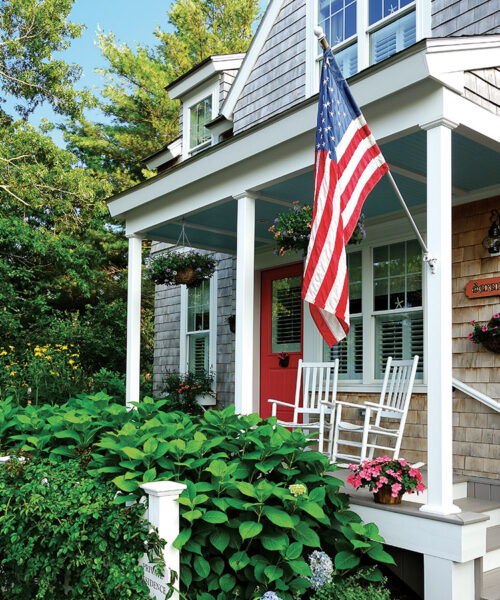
<point x="383" y="471"/>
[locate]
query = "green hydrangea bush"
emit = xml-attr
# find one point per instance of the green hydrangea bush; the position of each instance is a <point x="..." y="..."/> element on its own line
<point x="62" y="535"/>
<point x="256" y="504"/>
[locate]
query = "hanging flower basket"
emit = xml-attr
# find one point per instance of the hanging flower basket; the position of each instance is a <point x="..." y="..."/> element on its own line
<point x="177" y="268"/>
<point x="487" y="334"/>
<point x="292" y="229"/>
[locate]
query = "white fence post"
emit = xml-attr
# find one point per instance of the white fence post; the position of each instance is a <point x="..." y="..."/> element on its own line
<point x="163" y="513"/>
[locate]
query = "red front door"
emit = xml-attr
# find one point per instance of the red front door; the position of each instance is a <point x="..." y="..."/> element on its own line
<point x="281" y="332"/>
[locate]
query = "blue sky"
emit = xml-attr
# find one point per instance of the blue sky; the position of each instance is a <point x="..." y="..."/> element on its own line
<point x="130" y="20"/>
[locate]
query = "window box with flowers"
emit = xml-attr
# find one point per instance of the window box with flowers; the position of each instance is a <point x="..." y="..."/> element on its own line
<point x="189" y="392"/>
<point x="387" y="478"/>
<point x="487" y="334"/>
<point x="176" y="268"/>
<point x="292" y="229"/>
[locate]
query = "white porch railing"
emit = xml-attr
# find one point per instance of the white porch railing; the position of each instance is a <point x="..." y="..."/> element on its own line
<point x="479" y="396"/>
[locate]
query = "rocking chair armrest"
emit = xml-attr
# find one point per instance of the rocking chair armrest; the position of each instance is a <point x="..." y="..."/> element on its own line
<point x="329" y="404"/>
<point x="273" y="401"/>
<point x="353" y="404"/>
<point x="374" y="405"/>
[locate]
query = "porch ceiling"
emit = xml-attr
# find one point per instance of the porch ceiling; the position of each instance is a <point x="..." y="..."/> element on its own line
<point x="475" y="166"/>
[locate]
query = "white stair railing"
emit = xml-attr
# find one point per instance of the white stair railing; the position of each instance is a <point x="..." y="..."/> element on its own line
<point x="479" y="396"/>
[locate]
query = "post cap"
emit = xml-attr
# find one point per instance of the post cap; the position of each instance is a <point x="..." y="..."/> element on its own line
<point x="163" y="488"/>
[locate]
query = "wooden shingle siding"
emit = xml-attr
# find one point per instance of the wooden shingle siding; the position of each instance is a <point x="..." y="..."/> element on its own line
<point x="225" y="81"/>
<point x="465" y="17"/>
<point x="277" y="80"/>
<point x="483" y="87"/>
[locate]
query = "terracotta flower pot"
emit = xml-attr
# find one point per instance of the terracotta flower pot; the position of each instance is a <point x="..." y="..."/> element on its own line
<point x="384" y="496"/>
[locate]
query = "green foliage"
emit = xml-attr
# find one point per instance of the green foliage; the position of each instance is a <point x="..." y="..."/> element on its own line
<point x="353" y="587"/>
<point x="184" y="389"/>
<point x="292" y="229"/>
<point x="486" y="331"/>
<point x="31" y="32"/>
<point x="237" y="469"/>
<point x="168" y="268"/>
<point x="143" y="118"/>
<point x="60" y="530"/>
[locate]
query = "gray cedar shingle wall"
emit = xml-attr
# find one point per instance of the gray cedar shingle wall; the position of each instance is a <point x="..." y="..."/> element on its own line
<point x="225" y="81"/>
<point x="465" y="17"/>
<point x="483" y="86"/>
<point x="277" y="80"/>
<point x="167" y="329"/>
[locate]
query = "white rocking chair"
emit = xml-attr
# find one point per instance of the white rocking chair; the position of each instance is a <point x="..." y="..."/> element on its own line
<point x="393" y="405"/>
<point x="318" y="382"/>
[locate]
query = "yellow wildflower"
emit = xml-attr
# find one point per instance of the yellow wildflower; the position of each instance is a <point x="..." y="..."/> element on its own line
<point x="71" y="361"/>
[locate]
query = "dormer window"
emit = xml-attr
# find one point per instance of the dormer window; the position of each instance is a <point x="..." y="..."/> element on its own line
<point x="199" y="115"/>
<point x="365" y="32"/>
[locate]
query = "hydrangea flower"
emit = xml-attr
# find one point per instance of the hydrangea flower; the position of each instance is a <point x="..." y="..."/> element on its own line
<point x="270" y="596"/>
<point x="297" y="489"/>
<point x="321" y="568"/>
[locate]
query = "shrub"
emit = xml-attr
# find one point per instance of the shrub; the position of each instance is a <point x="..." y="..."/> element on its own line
<point x="256" y="504"/>
<point x="61" y="535"/>
<point x="353" y="588"/>
<point x="183" y="391"/>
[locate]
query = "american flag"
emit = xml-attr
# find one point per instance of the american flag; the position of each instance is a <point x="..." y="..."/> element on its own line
<point x="348" y="165"/>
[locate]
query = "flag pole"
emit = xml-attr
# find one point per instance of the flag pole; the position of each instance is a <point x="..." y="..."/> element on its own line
<point x="320" y="34"/>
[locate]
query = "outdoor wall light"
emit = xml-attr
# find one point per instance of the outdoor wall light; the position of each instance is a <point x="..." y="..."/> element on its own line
<point x="492" y="241"/>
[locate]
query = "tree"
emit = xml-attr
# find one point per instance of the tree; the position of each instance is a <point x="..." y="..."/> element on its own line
<point x="143" y="118"/>
<point x="31" y="31"/>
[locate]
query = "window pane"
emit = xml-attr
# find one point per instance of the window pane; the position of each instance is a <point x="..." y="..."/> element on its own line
<point x="392" y="38"/>
<point x="286" y="315"/>
<point x="400" y="336"/>
<point x="347" y="60"/>
<point x="200" y="115"/>
<point x="349" y="351"/>
<point x="198" y="352"/>
<point x="397" y="282"/>
<point x="199" y="307"/>
<point x="375" y="11"/>
<point x="338" y="19"/>
<point x="390" y="7"/>
<point x="354" y="275"/>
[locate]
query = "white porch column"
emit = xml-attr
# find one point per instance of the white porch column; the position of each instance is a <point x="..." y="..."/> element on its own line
<point x="244" y="355"/>
<point x="133" y="320"/>
<point x="439" y="320"/>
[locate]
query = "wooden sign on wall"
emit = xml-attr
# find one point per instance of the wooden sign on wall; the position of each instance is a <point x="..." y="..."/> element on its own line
<point x="480" y="288"/>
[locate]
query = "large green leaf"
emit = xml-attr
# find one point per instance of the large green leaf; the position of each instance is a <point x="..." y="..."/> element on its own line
<point x="239" y="560"/>
<point x="215" y="516"/>
<point x="182" y="538"/>
<point x="133" y="453"/>
<point x="300" y="567"/>
<point x="278" y="516"/>
<point x="201" y="566"/>
<point x="272" y="572"/>
<point x="307" y="536"/>
<point x="275" y="541"/>
<point x="129" y="485"/>
<point x="227" y="582"/>
<point x="249" y="529"/>
<point x="220" y="539"/>
<point x="380" y="555"/>
<point x="346" y="560"/>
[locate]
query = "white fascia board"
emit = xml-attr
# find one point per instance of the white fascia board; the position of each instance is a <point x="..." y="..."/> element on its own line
<point x="229" y="62"/>
<point x="173" y="150"/>
<point x="448" y="59"/>
<point x="250" y="59"/>
<point x="480" y="123"/>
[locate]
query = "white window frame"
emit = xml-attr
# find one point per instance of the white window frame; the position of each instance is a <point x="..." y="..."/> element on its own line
<point x="313" y="342"/>
<point x="422" y="10"/>
<point x="212" y="331"/>
<point x="210" y="89"/>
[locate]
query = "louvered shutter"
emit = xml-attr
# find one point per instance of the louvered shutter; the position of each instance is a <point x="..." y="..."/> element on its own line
<point x="400" y="336"/>
<point x="198" y="353"/>
<point x="349" y="351"/>
<point x="393" y="38"/>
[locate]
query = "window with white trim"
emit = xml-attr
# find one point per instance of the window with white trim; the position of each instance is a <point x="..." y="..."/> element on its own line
<point x="198" y="322"/>
<point x="364" y="32"/>
<point x="393" y="316"/>
<point x="199" y="115"/>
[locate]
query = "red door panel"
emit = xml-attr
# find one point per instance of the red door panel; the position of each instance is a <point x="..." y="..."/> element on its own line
<point x="281" y="331"/>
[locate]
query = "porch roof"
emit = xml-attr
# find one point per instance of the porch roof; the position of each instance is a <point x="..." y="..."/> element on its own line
<point x="273" y="161"/>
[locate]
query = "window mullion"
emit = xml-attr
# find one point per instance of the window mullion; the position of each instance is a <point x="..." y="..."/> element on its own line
<point x="363" y="38"/>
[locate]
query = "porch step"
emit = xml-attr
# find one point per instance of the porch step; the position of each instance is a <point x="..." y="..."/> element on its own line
<point x="491" y="585"/>
<point x="476" y="505"/>
<point x="491" y="560"/>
